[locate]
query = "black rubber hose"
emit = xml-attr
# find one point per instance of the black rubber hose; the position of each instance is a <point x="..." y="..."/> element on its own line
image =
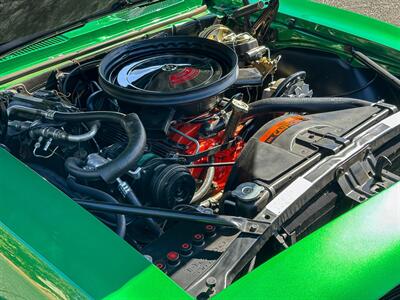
<point x="124" y="162"/>
<point x="309" y="105"/>
<point x="152" y="225"/>
<point x="102" y="196"/>
<point x="55" y="179"/>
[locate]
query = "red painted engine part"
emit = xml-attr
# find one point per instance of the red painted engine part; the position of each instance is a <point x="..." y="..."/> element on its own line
<point x="221" y="173"/>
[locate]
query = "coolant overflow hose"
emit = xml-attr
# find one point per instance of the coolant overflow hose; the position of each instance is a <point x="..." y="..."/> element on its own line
<point x="110" y="171"/>
<point x="309" y="105"/>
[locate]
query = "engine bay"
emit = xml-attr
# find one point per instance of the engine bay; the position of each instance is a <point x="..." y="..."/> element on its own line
<point x="206" y="150"/>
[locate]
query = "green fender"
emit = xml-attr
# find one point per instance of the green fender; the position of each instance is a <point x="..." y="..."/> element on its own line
<point x="356" y="256"/>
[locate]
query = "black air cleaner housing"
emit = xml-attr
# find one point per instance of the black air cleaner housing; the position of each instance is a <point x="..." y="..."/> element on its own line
<point x="184" y="73"/>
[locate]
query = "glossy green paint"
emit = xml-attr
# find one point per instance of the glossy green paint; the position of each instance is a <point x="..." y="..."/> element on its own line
<point x="94" y="32"/>
<point x="310" y="25"/>
<point x="148" y="286"/>
<point x="342" y="22"/>
<point x="315" y="28"/>
<point x="24" y="273"/>
<point x="356" y="256"/>
<point x="60" y="248"/>
<point x="80" y="257"/>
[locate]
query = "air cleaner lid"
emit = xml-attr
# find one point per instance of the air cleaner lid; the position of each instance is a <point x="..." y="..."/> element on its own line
<point x="169" y="73"/>
<point x="173" y="71"/>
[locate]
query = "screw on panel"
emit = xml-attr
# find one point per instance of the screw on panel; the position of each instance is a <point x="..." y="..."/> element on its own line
<point x="291" y="23"/>
<point x="339" y="172"/>
<point x="253" y="227"/>
<point x="211" y="282"/>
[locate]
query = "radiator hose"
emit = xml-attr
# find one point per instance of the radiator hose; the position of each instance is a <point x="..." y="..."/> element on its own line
<point x="120" y="165"/>
<point x="110" y="171"/>
<point x="309" y="105"/>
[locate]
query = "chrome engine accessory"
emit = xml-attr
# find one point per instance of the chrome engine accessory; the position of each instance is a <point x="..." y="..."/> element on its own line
<point x="217" y="32"/>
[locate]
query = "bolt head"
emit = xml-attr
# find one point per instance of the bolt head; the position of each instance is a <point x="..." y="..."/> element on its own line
<point x="253" y="227"/>
<point x="211" y="282"/>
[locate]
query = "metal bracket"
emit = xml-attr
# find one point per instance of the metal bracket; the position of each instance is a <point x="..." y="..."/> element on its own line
<point x="365" y="178"/>
<point x="328" y="143"/>
<point x="385" y="105"/>
<point x="262" y="24"/>
<point x="244" y="225"/>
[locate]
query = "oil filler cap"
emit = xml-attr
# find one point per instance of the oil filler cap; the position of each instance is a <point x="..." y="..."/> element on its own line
<point x="248" y="191"/>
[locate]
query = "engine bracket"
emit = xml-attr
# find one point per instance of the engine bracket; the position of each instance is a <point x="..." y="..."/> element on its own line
<point x="365" y="178"/>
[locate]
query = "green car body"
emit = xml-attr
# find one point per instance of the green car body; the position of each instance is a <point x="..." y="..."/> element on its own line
<point x="64" y="252"/>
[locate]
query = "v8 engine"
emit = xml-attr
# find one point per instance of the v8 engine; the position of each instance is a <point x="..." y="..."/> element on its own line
<point x="207" y="152"/>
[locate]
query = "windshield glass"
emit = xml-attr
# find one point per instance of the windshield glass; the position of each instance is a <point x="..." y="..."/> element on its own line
<point x="21" y="18"/>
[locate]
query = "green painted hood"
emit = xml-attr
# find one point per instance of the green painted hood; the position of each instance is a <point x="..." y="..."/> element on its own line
<point x="73" y="44"/>
<point x="24" y="18"/>
<point x="51" y="246"/>
<point x="315" y="28"/>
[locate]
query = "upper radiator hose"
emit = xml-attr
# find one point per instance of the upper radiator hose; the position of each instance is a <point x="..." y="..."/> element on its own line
<point x="110" y="171"/>
<point x="309" y="105"/>
<point x="124" y="162"/>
